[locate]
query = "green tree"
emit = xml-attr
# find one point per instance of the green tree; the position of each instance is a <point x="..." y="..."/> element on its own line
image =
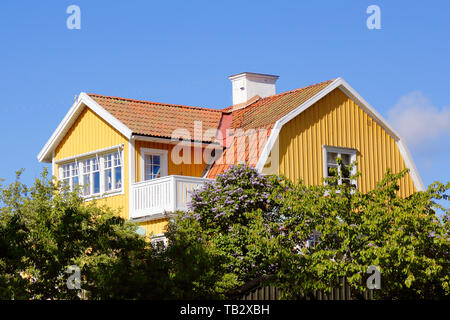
<point x="46" y="228"/>
<point x="230" y="231"/>
<point x="403" y="237"/>
<point x="241" y="227"/>
<point x="303" y="238"/>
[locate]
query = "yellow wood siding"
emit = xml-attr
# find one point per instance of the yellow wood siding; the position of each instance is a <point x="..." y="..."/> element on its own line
<point x="338" y="121"/>
<point x="193" y="170"/>
<point x="154" y="227"/>
<point x="182" y="169"/>
<point x="90" y="133"/>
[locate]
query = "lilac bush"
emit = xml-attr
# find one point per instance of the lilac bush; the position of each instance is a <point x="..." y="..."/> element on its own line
<point x="238" y="214"/>
<point x="240" y="190"/>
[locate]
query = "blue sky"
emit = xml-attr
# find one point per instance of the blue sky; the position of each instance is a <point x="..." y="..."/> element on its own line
<point x="183" y="51"/>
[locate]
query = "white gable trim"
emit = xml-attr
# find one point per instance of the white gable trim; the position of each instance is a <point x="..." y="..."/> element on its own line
<point x="69" y="119"/>
<point x="352" y="94"/>
<point x="409" y="162"/>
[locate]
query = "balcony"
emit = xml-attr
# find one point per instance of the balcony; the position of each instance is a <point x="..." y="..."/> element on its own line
<point x="170" y="193"/>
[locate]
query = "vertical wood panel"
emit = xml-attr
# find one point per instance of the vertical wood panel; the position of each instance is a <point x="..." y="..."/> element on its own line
<point x="193" y="170"/>
<point x="154" y="227"/>
<point x="338" y="121"/>
<point x="182" y="169"/>
<point x="90" y="133"/>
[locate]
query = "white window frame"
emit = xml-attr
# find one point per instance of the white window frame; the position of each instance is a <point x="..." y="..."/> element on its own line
<point x="70" y="177"/>
<point x="339" y="151"/>
<point x="100" y="156"/>
<point x="157" y="152"/>
<point x="159" y="238"/>
<point x="113" y="171"/>
<point x="91" y="176"/>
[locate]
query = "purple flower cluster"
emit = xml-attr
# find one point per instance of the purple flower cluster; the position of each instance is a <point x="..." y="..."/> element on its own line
<point x="219" y="215"/>
<point x="239" y="189"/>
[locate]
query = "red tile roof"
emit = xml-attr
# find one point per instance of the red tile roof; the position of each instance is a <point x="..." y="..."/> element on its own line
<point x="260" y="116"/>
<point x="158" y="119"/>
<point x="266" y="111"/>
<point x="161" y="120"/>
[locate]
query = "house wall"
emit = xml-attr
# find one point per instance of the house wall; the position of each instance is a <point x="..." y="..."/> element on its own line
<point x="182" y="169"/>
<point x="338" y="121"/>
<point x="154" y="227"/>
<point x="90" y="133"/>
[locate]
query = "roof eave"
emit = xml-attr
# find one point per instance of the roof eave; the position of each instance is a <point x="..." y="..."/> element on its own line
<point x="83" y="100"/>
<point x="341" y="84"/>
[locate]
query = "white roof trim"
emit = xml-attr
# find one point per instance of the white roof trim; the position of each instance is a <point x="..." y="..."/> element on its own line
<point x="83" y="100"/>
<point x="352" y="94"/>
<point x="409" y="162"/>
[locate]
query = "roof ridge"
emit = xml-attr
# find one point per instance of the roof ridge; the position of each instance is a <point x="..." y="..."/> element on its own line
<point x="230" y="108"/>
<point x="240" y="116"/>
<point x="298" y="89"/>
<point x="152" y="102"/>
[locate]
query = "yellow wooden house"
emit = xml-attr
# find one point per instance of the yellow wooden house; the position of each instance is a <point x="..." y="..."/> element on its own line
<point x="145" y="158"/>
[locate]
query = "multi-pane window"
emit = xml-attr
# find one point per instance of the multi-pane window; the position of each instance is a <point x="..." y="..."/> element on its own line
<point x="159" y="241"/>
<point x="332" y="168"/>
<point x="86" y="165"/>
<point x="112" y="171"/>
<point x="96" y="175"/>
<point x="91" y="176"/>
<point x="152" y="166"/>
<point x="313" y="241"/>
<point x="69" y="174"/>
<point x="74" y="175"/>
<point x="108" y="172"/>
<point x="153" y="163"/>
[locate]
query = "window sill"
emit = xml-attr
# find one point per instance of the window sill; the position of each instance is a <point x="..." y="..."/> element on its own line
<point x="104" y="195"/>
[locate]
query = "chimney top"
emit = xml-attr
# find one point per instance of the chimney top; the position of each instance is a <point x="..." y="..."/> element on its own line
<point x="246" y="85"/>
<point x="252" y="74"/>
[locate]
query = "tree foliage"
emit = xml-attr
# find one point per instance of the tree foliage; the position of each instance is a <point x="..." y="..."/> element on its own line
<point x="45" y="229"/>
<point x="403" y="237"/>
<point x="240" y="227"/>
<point x="235" y="219"/>
<point x="262" y="227"/>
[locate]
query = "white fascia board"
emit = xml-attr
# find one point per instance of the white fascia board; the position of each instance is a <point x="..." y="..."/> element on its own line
<point x="105" y="115"/>
<point x="268" y="147"/>
<point x="352" y="94"/>
<point x="291" y="115"/>
<point x="409" y="163"/>
<point x="378" y="118"/>
<point x="45" y="155"/>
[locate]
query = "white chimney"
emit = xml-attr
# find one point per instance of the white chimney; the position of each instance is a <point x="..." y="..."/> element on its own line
<point x="246" y="85"/>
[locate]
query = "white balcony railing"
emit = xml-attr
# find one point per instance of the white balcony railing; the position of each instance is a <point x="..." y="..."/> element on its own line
<point x="156" y="196"/>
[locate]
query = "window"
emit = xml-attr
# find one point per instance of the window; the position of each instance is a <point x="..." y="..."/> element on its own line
<point x="112" y="172"/>
<point x="97" y="175"/>
<point x="108" y="172"/>
<point x="117" y="171"/>
<point x="153" y="163"/>
<point x="86" y="177"/>
<point x="159" y="241"/>
<point x="331" y="167"/>
<point x="91" y="176"/>
<point x="313" y="241"/>
<point x="152" y="166"/>
<point x="70" y="174"/>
